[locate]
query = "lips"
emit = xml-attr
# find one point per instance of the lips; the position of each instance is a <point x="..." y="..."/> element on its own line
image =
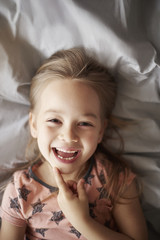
<point x="66" y="155"/>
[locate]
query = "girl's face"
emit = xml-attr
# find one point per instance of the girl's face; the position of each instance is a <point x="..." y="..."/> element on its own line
<point x="67" y="124"/>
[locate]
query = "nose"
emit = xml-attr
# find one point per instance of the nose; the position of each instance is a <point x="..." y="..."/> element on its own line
<point x="68" y="134"/>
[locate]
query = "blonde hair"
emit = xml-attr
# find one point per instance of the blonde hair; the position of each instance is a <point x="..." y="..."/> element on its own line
<point x="75" y="64"/>
<point x="78" y="65"/>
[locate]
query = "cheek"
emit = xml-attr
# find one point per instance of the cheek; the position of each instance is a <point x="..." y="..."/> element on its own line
<point x="44" y="143"/>
<point x="100" y="137"/>
<point x="44" y="135"/>
<point x="44" y="130"/>
<point x="93" y="139"/>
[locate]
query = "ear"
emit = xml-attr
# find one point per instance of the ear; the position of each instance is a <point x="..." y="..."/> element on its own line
<point x="103" y="127"/>
<point x="32" y="124"/>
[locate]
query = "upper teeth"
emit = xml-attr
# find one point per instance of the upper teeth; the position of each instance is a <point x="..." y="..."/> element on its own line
<point x="65" y="151"/>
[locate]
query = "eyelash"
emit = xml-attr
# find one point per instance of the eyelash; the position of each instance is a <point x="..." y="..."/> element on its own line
<point x="85" y="124"/>
<point x="81" y="124"/>
<point x="54" y="120"/>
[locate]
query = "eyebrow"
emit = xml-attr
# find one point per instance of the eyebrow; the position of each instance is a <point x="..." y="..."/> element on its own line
<point x="90" y="115"/>
<point x="59" y="112"/>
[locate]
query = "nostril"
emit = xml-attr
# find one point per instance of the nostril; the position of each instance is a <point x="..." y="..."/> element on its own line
<point x="68" y="138"/>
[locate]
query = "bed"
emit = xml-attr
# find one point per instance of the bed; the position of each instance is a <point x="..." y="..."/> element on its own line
<point x="125" y="37"/>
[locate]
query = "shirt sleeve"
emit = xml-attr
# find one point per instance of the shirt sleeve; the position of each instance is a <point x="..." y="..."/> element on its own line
<point x="130" y="177"/>
<point x="125" y="178"/>
<point x="10" y="209"/>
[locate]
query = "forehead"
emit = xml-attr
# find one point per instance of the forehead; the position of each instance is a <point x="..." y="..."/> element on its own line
<point x="69" y="95"/>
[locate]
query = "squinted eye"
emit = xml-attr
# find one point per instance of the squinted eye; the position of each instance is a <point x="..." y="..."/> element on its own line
<point x="85" y="124"/>
<point x="54" y="120"/>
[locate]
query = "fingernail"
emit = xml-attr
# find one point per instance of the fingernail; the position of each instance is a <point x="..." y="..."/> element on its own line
<point x="82" y="180"/>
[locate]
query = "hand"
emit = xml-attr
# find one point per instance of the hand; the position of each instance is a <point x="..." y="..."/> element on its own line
<point x="72" y="199"/>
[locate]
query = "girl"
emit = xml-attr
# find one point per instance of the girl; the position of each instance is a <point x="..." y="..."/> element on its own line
<point x="75" y="187"/>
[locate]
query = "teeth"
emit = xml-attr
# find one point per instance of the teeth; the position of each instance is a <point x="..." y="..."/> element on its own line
<point x="65" y="151"/>
<point x="70" y="158"/>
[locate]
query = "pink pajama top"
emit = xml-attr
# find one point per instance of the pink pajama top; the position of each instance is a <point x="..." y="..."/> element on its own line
<point x="28" y="201"/>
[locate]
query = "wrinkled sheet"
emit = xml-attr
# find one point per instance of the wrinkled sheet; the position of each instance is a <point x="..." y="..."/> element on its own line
<point x="125" y="36"/>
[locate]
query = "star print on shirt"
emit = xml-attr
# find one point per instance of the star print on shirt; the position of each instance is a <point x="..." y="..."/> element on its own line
<point x="26" y="174"/>
<point x="41" y="231"/>
<point x="57" y="217"/>
<point x="89" y="179"/>
<point x="74" y="231"/>
<point x="15" y="204"/>
<point x="103" y="192"/>
<point x="37" y="206"/>
<point x="102" y="177"/>
<point x="91" y="209"/>
<point x="12" y="180"/>
<point x="23" y="193"/>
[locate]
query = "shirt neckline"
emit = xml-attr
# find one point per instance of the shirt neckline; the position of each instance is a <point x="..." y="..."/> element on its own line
<point x="52" y="188"/>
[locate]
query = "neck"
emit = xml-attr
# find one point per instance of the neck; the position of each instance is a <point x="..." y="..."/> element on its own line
<point x="45" y="173"/>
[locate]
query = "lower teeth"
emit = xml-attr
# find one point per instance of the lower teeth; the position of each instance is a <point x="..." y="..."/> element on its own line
<point x="70" y="158"/>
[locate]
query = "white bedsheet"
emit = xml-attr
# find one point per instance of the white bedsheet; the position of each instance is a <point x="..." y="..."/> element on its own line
<point x="125" y="36"/>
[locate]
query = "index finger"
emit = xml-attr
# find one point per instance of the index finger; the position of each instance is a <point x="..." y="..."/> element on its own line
<point x="59" y="180"/>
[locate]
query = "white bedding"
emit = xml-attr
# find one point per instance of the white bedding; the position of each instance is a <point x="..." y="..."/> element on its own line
<point x="125" y="35"/>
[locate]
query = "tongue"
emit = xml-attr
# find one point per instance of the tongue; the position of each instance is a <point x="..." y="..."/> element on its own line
<point x="65" y="155"/>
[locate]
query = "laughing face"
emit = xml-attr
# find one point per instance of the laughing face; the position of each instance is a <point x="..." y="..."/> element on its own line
<point x="67" y="124"/>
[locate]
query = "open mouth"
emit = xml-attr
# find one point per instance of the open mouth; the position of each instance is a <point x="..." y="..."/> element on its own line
<point x="66" y="156"/>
